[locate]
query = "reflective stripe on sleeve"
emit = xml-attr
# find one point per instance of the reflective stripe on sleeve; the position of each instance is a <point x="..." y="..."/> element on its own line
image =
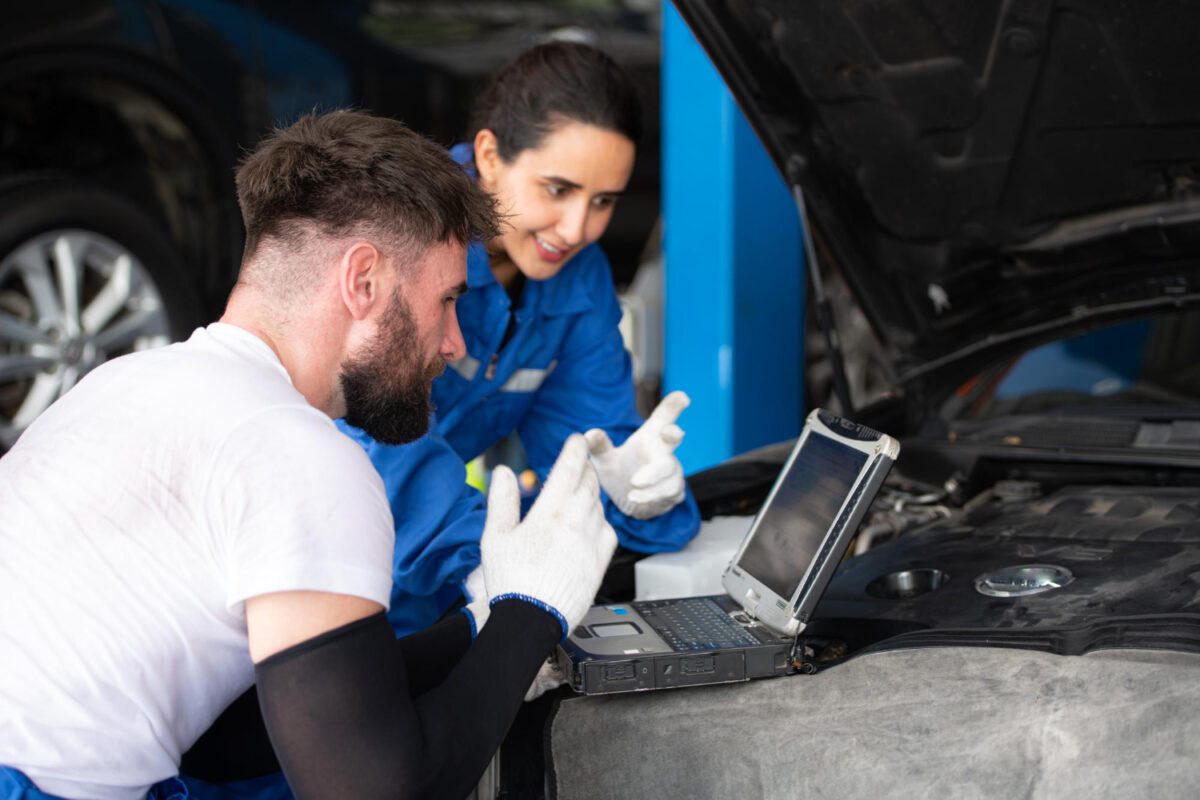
<point x="527" y="380"/>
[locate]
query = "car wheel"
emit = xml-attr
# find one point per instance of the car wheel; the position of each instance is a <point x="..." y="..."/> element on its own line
<point x="85" y="276"/>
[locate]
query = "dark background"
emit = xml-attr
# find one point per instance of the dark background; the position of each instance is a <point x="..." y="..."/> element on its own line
<point x="125" y="120"/>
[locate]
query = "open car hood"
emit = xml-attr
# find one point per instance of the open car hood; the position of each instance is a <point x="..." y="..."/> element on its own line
<point x="985" y="175"/>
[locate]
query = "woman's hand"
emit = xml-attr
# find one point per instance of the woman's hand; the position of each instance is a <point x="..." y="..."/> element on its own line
<point x="643" y="476"/>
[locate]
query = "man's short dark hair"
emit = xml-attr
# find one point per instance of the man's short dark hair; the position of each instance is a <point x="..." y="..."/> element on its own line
<point x="347" y="170"/>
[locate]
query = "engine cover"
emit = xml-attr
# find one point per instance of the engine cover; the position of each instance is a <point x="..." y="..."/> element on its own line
<point x="1111" y="567"/>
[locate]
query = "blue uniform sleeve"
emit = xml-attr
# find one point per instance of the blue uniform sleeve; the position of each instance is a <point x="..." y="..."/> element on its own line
<point x="438" y="519"/>
<point x="592" y="387"/>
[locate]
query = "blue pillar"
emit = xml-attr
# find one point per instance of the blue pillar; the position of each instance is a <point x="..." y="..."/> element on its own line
<point x="734" y="266"/>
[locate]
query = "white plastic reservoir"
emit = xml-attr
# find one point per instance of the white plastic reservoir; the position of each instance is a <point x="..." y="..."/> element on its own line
<point x="697" y="568"/>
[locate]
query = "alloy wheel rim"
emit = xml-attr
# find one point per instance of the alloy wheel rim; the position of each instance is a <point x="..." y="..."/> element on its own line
<point x="70" y="299"/>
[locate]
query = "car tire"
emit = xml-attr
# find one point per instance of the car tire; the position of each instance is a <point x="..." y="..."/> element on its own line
<point x="85" y="275"/>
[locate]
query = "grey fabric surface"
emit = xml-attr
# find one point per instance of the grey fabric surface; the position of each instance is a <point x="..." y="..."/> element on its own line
<point x="933" y="723"/>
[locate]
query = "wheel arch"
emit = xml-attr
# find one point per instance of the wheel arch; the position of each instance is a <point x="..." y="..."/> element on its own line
<point x="138" y="130"/>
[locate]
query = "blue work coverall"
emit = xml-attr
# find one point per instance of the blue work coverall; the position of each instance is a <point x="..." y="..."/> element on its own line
<point x="563" y="370"/>
<point x="15" y="785"/>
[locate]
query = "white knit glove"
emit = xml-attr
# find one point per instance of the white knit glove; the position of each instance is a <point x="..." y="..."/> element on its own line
<point x="557" y="555"/>
<point x="475" y="592"/>
<point x="550" y="676"/>
<point x="643" y="476"/>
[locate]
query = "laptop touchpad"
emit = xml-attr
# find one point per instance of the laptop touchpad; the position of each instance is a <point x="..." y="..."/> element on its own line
<point x="615" y="629"/>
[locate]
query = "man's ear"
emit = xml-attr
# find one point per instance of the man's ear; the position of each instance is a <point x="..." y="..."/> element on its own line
<point x="361" y="279"/>
<point x="487" y="156"/>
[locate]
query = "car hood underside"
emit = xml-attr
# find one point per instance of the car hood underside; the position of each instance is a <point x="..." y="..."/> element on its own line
<point x="985" y="175"/>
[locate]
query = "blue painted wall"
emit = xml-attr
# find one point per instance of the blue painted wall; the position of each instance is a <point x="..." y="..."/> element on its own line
<point x="1098" y="363"/>
<point x="734" y="308"/>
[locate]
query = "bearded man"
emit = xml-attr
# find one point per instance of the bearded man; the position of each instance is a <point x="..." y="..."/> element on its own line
<point x="188" y="521"/>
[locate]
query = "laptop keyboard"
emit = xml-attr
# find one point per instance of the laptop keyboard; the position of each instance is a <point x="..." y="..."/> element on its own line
<point x="696" y="623"/>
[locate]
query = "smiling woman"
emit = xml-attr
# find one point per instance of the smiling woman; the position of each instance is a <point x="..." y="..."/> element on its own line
<point x="559" y="197"/>
<point x="556" y="136"/>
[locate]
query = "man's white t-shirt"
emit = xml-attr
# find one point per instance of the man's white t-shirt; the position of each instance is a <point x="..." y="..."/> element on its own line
<point x="136" y="517"/>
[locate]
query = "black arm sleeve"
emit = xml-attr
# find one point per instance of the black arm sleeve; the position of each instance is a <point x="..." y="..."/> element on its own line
<point x="343" y="723"/>
<point x="429" y="655"/>
<point x="236" y="746"/>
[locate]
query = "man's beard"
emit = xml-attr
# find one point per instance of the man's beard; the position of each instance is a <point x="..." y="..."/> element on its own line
<point x="386" y="389"/>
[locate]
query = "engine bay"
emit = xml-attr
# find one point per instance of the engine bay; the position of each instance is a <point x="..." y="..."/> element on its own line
<point x="983" y="540"/>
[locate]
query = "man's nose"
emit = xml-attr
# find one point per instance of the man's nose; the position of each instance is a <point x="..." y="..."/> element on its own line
<point x="453" y="346"/>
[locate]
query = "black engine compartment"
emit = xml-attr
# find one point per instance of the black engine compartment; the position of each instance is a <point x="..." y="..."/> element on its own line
<point x="1124" y="525"/>
<point x="1133" y="554"/>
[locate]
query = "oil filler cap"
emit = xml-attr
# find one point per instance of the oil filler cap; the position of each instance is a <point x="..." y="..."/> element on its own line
<point x="1023" y="580"/>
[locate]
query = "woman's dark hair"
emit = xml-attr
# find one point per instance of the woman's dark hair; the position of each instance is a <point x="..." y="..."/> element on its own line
<point x="552" y="83"/>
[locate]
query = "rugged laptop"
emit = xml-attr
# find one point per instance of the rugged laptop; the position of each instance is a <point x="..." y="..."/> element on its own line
<point x="773" y="582"/>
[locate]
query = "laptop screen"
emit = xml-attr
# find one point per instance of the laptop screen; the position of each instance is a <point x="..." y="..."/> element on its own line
<point x="793" y="525"/>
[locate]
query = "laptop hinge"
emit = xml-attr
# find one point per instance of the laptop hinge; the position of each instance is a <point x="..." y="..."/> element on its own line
<point x="750" y="604"/>
<point x="798" y="657"/>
